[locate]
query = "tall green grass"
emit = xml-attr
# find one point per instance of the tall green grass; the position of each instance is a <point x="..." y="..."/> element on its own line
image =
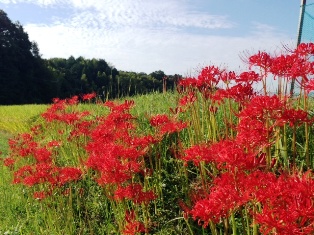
<point x="17" y="214"/>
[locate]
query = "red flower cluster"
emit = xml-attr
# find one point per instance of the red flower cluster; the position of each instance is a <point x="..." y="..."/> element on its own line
<point x="134" y="192"/>
<point x="133" y="226"/>
<point x="117" y="154"/>
<point x="226" y="154"/>
<point x="167" y="125"/>
<point x="58" y="111"/>
<point x="89" y="96"/>
<point x="286" y="202"/>
<point x="241" y="167"/>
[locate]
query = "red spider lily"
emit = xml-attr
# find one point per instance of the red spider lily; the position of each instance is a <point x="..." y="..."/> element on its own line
<point x="287" y="206"/>
<point x="291" y="66"/>
<point x="282" y="64"/>
<point x="253" y="134"/>
<point x="81" y="128"/>
<point x="40" y="195"/>
<point x="309" y="86"/>
<point x="228" y="77"/>
<point x="294" y="117"/>
<point x="305" y="49"/>
<point x="53" y="144"/>
<point x="112" y="170"/>
<point x="115" y="152"/>
<point x="43" y="173"/>
<point x="89" y="96"/>
<point x="189" y="82"/>
<point x="135" y="193"/>
<point x="286" y="202"/>
<point x="142" y="142"/>
<point x="55" y="100"/>
<point x="228" y="154"/>
<point x="248" y="77"/>
<point x="21" y="173"/>
<point x="36" y="130"/>
<point x="197" y="154"/>
<point x="42" y="155"/>
<point x="253" y="184"/>
<point x="27" y="149"/>
<point x="73" y="100"/>
<point x="262" y="60"/>
<point x="173" y="127"/>
<point x="210" y="76"/>
<point x="207" y="80"/>
<point x="57" y="111"/>
<point x="69" y="118"/>
<point x="9" y="162"/>
<point x="67" y="174"/>
<point x="36" y="174"/>
<point x="23" y="145"/>
<point x="240" y="93"/>
<point x="228" y="193"/>
<point x="119" y="108"/>
<point x="133" y="226"/>
<point x="166" y="125"/>
<point x="49" y="116"/>
<point x="219" y="96"/>
<point x="159" y="120"/>
<point x="188" y="99"/>
<point x="224" y="198"/>
<point x="264" y="107"/>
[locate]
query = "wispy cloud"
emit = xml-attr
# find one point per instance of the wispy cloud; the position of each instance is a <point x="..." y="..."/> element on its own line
<point x="136" y="12"/>
<point x="144" y="35"/>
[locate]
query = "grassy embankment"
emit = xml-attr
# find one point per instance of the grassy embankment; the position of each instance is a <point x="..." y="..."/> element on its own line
<point x="14" y="203"/>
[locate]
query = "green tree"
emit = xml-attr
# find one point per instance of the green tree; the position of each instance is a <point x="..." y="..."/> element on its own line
<point x="24" y="77"/>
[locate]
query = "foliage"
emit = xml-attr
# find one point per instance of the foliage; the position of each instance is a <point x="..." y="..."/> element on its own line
<point x="80" y="76"/>
<point x="24" y="77"/>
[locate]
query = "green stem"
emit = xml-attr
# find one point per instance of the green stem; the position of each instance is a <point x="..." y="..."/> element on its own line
<point x="247" y="222"/>
<point x="306" y="127"/>
<point x="234" y="225"/>
<point x="294" y="152"/>
<point x="213" y="228"/>
<point x="189" y="227"/>
<point x="255" y="229"/>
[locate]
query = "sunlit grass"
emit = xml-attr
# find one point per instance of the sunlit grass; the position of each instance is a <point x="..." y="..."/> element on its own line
<point x="18" y="118"/>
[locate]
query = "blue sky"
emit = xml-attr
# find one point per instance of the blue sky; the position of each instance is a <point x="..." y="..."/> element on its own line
<point x="176" y="36"/>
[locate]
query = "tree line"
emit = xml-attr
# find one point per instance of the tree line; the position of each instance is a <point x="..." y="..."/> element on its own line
<point x="75" y="76"/>
<point x="25" y="77"/>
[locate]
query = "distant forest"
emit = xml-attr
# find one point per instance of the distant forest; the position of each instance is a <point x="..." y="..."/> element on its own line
<point x="27" y="78"/>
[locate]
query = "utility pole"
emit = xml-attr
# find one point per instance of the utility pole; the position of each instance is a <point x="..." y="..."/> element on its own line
<point x="301" y="19"/>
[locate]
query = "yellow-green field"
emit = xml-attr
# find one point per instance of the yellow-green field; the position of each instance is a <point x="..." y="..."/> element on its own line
<point x="17" y="118"/>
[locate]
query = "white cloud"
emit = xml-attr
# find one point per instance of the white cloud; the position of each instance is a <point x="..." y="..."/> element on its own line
<point x="145" y="35"/>
<point x="147" y="50"/>
<point x="136" y="12"/>
<point x="37" y="2"/>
